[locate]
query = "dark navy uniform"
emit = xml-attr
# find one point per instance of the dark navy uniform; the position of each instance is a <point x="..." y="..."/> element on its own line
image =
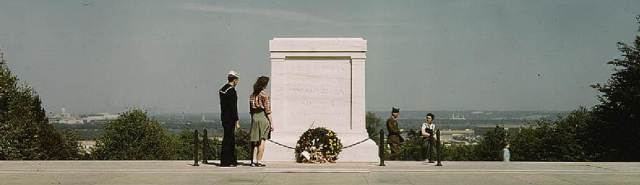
<point x="229" y="116"/>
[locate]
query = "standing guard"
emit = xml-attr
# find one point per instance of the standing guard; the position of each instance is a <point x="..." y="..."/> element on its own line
<point x="394" y="138"/>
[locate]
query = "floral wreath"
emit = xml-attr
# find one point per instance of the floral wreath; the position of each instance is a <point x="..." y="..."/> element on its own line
<point x="318" y="145"/>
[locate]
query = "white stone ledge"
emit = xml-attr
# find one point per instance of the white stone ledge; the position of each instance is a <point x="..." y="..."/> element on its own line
<point x="317" y="44"/>
<point x="352" y="55"/>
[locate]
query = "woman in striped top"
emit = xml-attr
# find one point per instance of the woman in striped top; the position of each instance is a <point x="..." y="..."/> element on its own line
<point x="261" y="125"/>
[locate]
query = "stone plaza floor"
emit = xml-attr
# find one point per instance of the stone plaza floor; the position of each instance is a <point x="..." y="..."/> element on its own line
<point x="285" y="173"/>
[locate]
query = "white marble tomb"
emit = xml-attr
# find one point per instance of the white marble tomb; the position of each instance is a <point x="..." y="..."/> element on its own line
<point x="319" y="82"/>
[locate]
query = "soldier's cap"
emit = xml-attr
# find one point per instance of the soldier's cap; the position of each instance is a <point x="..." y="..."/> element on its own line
<point x="395" y="110"/>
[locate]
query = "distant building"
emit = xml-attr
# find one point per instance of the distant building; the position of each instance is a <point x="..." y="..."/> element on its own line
<point x="64" y="118"/>
<point x="99" y="118"/>
<point x="454" y="117"/>
<point x="482" y="130"/>
<point x="457" y="136"/>
<point x="204" y="119"/>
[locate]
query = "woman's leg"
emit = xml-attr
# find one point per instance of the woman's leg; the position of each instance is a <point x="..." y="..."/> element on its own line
<point x="261" y="150"/>
<point x="254" y="152"/>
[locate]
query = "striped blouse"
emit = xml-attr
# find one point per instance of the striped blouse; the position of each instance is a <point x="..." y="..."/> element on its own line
<point x="260" y="102"/>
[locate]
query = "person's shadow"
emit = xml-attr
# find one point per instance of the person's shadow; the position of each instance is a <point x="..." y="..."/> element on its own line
<point x="219" y="165"/>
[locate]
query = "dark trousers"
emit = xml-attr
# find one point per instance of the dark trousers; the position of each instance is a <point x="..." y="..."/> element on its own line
<point x="228" y="153"/>
<point x="430" y="144"/>
<point x="394" y="145"/>
<point x="395" y="151"/>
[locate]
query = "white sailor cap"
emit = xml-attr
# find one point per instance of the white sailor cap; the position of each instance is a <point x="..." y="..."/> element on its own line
<point x="233" y="73"/>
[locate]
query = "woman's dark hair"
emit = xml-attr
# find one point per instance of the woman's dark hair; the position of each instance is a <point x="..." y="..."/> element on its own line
<point x="260" y="84"/>
<point x="432" y="116"/>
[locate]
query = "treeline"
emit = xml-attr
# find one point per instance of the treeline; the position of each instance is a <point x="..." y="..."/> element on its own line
<point x="135" y="136"/>
<point x="91" y="131"/>
<point x="565" y="139"/>
<point x="26" y="134"/>
<point x="24" y="129"/>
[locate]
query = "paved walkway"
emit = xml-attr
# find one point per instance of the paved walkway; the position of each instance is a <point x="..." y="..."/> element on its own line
<point x="285" y="173"/>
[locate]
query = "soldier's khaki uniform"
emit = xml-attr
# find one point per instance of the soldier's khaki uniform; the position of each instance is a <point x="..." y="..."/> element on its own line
<point x="394" y="139"/>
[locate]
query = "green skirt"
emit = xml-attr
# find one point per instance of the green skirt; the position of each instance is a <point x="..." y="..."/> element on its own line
<point x="260" y="127"/>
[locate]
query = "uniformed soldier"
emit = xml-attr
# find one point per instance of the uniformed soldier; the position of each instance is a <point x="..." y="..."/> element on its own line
<point x="230" y="121"/>
<point x="394" y="138"/>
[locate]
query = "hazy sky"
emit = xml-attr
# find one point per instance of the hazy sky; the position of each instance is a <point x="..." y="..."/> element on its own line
<point x="172" y="56"/>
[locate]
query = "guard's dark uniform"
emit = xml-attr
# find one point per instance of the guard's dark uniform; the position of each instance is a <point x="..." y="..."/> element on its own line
<point x="229" y="116"/>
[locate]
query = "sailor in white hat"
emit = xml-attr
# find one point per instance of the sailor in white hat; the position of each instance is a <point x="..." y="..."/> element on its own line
<point x="230" y="121"/>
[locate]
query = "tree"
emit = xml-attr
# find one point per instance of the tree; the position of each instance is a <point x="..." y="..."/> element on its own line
<point x="6" y="81"/>
<point x="184" y="147"/>
<point x="546" y="140"/>
<point x="459" y="152"/>
<point x="373" y="126"/>
<point x="617" y="126"/>
<point x="243" y="145"/>
<point x="490" y="146"/>
<point x="25" y="133"/>
<point x="135" y="136"/>
<point x="540" y="140"/>
<point x="413" y="148"/>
